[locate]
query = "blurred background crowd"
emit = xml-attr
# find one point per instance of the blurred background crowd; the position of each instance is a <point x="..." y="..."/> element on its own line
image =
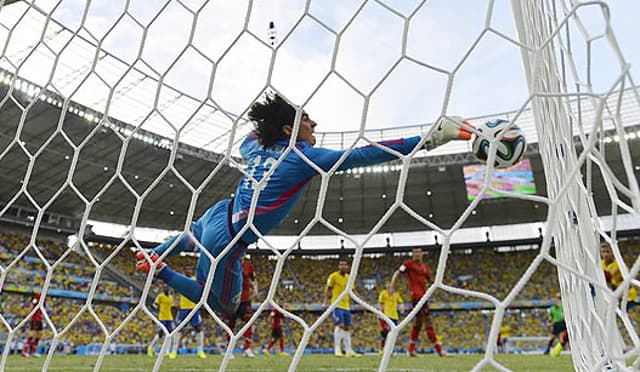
<point x="74" y="272"/>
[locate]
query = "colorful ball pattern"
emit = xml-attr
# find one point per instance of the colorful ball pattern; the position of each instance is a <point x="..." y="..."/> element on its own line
<point x="509" y="150"/>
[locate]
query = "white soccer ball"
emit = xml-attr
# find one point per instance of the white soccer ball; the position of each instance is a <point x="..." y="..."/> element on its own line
<point x="510" y="148"/>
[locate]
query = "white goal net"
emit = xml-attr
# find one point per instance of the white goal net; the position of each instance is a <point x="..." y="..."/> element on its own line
<point x="180" y="76"/>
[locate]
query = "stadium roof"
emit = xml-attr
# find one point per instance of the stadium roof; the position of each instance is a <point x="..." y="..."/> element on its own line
<point x="83" y="72"/>
<point x="435" y="185"/>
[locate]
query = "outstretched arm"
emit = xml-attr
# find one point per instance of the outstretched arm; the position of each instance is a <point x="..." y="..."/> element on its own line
<point x="394" y="279"/>
<point x="361" y="156"/>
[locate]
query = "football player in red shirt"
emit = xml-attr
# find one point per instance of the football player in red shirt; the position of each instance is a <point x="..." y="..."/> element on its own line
<point x="35" y="329"/>
<point x="276" y="333"/>
<point x="418" y="277"/>
<point x="244" y="312"/>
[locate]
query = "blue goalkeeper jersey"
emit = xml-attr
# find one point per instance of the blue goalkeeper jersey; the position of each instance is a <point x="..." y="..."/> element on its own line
<point x="289" y="180"/>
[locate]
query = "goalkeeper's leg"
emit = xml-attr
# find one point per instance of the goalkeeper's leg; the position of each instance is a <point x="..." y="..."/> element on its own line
<point x="215" y="235"/>
<point x="185" y="244"/>
<point x="224" y="295"/>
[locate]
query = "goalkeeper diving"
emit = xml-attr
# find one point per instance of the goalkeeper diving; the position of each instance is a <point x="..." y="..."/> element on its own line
<point x="274" y="121"/>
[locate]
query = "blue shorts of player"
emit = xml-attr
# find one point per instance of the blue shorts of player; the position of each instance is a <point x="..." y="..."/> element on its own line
<point x="168" y="324"/>
<point x="342" y="317"/>
<point x="196" y="320"/>
<point x="214" y="231"/>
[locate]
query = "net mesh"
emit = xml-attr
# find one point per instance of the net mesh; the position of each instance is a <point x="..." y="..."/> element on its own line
<point x="572" y="120"/>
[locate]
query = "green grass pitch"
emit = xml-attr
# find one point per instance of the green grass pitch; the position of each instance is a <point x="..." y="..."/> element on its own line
<point x="313" y="362"/>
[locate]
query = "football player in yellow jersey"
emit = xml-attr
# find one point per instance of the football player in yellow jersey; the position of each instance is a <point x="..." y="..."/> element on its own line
<point x="184" y="308"/>
<point x="613" y="274"/>
<point x="389" y="306"/>
<point x="336" y="283"/>
<point x="165" y="304"/>
<point x="503" y="338"/>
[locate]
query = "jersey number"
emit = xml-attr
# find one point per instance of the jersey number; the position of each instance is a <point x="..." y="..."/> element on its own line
<point x="258" y="163"/>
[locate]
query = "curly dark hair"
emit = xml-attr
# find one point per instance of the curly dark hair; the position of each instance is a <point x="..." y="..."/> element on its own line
<point x="269" y="117"/>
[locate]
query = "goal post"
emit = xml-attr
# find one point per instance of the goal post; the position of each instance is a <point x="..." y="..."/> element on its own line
<point x="590" y="308"/>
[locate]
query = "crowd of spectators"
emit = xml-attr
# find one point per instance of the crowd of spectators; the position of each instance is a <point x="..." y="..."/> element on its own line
<point x="302" y="281"/>
<point x="74" y="272"/>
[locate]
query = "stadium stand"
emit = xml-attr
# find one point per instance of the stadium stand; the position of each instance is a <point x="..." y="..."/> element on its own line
<point x="462" y="322"/>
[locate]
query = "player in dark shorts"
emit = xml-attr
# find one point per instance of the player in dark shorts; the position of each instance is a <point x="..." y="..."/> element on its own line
<point x="418" y="277"/>
<point x="244" y="311"/>
<point x="276" y="333"/>
<point x="35" y="329"/>
<point x="558" y="327"/>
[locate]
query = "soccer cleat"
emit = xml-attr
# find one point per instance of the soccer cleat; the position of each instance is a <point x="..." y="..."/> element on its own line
<point x="353" y="354"/>
<point x="202" y="355"/>
<point x="283" y="353"/>
<point x="36" y="355"/>
<point x="149" y="351"/>
<point x="381" y="352"/>
<point x="413" y="354"/>
<point x="248" y="353"/>
<point x="143" y="265"/>
<point x="173" y="355"/>
<point x="266" y="352"/>
<point x="25" y="354"/>
<point x="556" y="350"/>
<point x="446" y="130"/>
<point x="338" y="353"/>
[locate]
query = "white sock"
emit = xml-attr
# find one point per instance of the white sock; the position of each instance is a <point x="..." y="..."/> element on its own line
<point x="337" y="337"/>
<point x="347" y="341"/>
<point x="200" y="337"/>
<point x="176" y="341"/>
<point x="152" y="345"/>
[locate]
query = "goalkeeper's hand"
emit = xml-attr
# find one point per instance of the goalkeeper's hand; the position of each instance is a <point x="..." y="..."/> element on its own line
<point x="446" y="130"/>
